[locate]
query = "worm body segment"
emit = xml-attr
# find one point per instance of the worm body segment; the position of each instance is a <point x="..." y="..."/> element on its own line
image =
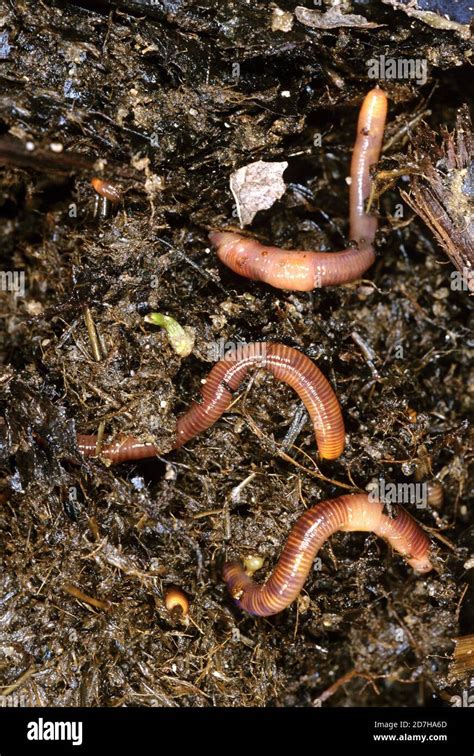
<point x="347" y="513"/>
<point x="285" y="363"/>
<point x="123" y="449"/>
<point x="366" y="152"/>
<point x="303" y="271"/>
<point x="293" y="270"/>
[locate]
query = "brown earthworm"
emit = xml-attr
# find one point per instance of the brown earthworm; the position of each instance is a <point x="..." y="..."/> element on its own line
<point x="311" y="530"/>
<point x="286" y="364"/>
<point x="123" y="449"/>
<point x="106" y="189"/>
<point x="303" y="271"/>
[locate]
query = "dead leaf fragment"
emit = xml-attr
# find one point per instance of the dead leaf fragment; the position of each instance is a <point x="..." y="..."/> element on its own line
<point x="434" y="19"/>
<point x="256" y="187"/>
<point x="331" y="19"/>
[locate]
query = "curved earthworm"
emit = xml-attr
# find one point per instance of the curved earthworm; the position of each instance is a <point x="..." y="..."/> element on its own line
<point x="304" y="271"/>
<point x="311" y="530"/>
<point x="286" y="364"/>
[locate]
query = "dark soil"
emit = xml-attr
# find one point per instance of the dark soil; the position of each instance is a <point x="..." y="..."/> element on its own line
<point x="153" y="89"/>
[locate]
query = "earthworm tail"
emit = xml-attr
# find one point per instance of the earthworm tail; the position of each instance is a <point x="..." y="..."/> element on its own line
<point x="122" y="449"/>
<point x="303" y="271"/>
<point x="311" y="530"/>
<point x="285" y="363"/>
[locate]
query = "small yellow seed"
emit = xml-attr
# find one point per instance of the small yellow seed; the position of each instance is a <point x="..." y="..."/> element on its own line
<point x="253" y="563"/>
<point x="176" y="601"/>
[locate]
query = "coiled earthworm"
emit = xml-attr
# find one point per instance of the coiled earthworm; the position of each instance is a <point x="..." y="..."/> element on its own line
<point x="347" y="513"/>
<point x="303" y="271"/>
<point x="286" y="364"/>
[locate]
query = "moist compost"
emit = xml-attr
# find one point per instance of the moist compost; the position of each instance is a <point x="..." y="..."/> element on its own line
<point x="165" y="100"/>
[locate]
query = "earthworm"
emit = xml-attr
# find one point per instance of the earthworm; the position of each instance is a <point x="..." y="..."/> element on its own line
<point x="286" y="364"/>
<point x="123" y="449"/>
<point x="106" y="189"/>
<point x="311" y="530"/>
<point x="303" y="271"/>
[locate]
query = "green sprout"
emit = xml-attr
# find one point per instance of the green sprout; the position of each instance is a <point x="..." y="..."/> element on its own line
<point x="181" y="339"/>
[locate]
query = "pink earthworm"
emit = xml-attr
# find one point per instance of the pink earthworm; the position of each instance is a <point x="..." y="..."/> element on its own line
<point x="298" y="270"/>
<point x="285" y="363"/>
<point x="356" y="512"/>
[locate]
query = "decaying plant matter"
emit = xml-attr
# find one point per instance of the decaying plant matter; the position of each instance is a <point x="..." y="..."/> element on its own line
<point x="442" y="193"/>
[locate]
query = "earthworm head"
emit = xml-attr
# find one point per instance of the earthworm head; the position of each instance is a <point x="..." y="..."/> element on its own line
<point x="223" y="239"/>
<point x="236" y="578"/>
